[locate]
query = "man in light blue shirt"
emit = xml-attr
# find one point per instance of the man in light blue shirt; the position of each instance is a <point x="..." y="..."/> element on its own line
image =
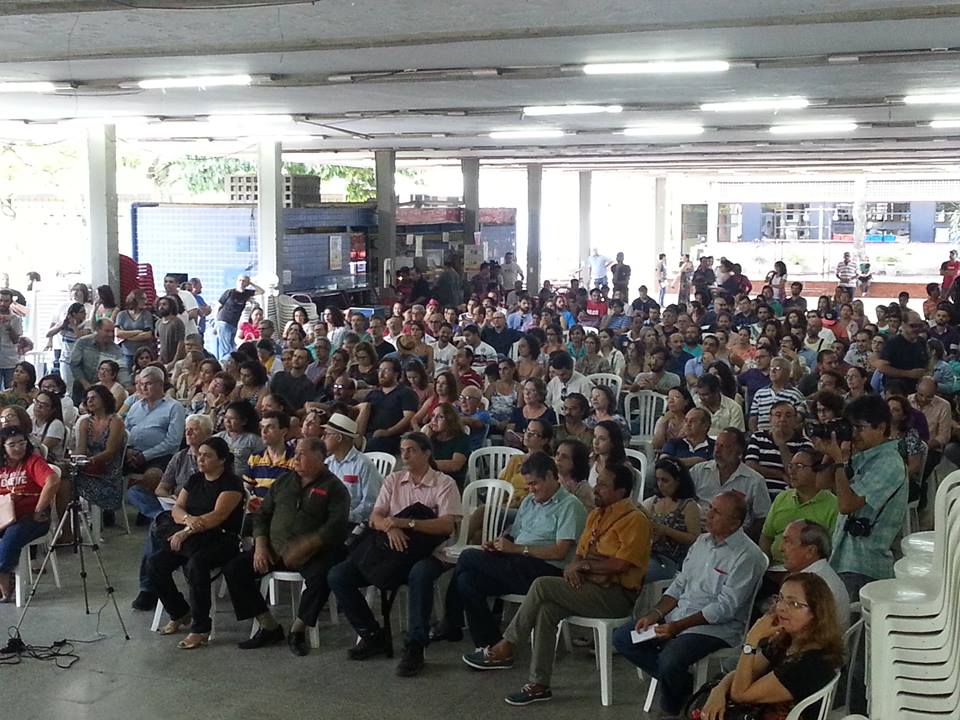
<point x="355" y="470"/>
<point x="543" y="537"/>
<point x="155" y="426"/>
<point x="706" y="607"/>
<point x="521" y="318"/>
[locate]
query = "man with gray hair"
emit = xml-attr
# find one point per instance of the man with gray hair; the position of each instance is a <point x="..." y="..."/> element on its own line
<point x="498" y="335"/>
<point x="91" y="350"/>
<point x="155" y="425"/>
<point x="806" y="548"/>
<point x="181" y="466"/>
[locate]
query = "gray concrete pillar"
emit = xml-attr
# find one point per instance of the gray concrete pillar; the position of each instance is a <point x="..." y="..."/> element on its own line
<point x="470" y="167"/>
<point x="859" y="223"/>
<point x="661" y="229"/>
<point x="534" y="199"/>
<point x="102" y="207"/>
<point x="386" y="164"/>
<point x="270" y="215"/>
<point x="586" y="206"/>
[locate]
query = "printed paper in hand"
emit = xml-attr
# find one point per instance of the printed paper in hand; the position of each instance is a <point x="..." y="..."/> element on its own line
<point x="649" y="634"/>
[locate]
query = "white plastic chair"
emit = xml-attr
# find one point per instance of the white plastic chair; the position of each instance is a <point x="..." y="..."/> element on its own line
<point x="702" y="667"/>
<point x="824" y="696"/>
<point x="43" y="545"/>
<point x="614" y="382"/>
<point x="911" y="520"/>
<point x="268" y="584"/>
<point x="603" y="644"/>
<point x="499" y="493"/>
<point x="643" y="408"/>
<point x="384" y="462"/>
<point x="639" y="474"/>
<point x="488" y="463"/>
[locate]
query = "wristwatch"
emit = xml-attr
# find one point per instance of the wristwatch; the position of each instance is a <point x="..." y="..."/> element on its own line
<point x="526" y="549"/>
<point x="412" y="524"/>
<point x="749" y="649"/>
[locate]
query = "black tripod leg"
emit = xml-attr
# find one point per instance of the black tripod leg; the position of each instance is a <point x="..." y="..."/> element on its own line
<point x="107" y="585"/>
<point x="43" y="567"/>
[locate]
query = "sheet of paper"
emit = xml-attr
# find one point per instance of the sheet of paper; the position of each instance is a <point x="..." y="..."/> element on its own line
<point x="649" y="634"/>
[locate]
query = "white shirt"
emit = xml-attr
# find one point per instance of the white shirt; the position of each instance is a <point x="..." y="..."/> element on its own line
<point x="483" y="355"/>
<point x="189" y="303"/>
<point x="598" y="266"/>
<point x="744" y="480"/>
<point x="443" y="357"/>
<point x="510" y="273"/>
<point x="840" y="595"/>
<point x="557" y="391"/>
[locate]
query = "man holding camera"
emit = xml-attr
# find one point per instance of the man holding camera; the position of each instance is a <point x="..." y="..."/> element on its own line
<point x="871" y="487"/>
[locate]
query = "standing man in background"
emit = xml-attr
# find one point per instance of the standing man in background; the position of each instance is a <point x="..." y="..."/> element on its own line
<point x="190" y="310"/>
<point x="598" y="264"/>
<point x="11" y="328"/>
<point x="232" y="303"/>
<point x="847" y="273"/>
<point x="196" y="287"/>
<point x="621" y="277"/>
<point x="510" y="271"/>
<point x="949" y="270"/>
<point x="661" y="273"/>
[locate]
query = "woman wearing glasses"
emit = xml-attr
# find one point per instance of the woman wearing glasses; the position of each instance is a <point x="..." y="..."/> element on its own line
<point x="32" y="486"/>
<point x="534" y="408"/>
<point x="789" y="653"/>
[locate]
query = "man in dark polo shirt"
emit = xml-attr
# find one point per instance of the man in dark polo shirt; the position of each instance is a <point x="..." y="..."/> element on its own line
<point x="694" y="446"/>
<point x="388" y="410"/>
<point x="232" y="303"/>
<point x="293" y="385"/>
<point x="904" y="356"/>
<point x="301" y="526"/>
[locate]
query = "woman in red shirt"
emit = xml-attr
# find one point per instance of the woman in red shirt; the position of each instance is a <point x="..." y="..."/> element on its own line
<point x="25" y="475"/>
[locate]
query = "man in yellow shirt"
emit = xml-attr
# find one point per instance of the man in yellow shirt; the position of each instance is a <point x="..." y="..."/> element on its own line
<point x="602" y="580"/>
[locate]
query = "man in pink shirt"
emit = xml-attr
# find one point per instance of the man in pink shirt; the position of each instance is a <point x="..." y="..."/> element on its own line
<point x="420" y="483"/>
<point x="939" y="421"/>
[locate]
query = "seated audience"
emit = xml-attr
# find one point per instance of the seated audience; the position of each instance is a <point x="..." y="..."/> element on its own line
<point x="355" y="470"/>
<point x="724" y="411"/>
<point x="293" y="385"/>
<point x="387" y="411"/>
<point x="242" y="432"/>
<point x="602" y="580"/>
<point x="576" y="408"/>
<point x="769" y="451"/>
<point x="693" y="445"/>
<point x="276" y="456"/>
<point x="705" y="608"/>
<point x="563" y="381"/>
<point x="451" y="445"/>
<point x="300" y="526"/>
<point x="473" y="416"/>
<point x="573" y="469"/>
<point x="806" y="547"/>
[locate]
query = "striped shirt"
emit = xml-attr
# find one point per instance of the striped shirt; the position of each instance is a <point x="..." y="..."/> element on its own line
<point x="764" y="399"/>
<point x="763" y="450"/>
<point x="264" y="471"/>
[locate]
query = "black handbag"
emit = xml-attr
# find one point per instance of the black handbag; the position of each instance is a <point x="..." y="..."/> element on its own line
<point x="164" y="527"/>
<point x="692" y="709"/>
<point x="385" y="567"/>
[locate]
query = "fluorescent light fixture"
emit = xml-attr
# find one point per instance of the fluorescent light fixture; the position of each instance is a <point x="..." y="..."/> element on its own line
<point x="933" y="99"/>
<point x="664" y="67"/>
<point x="29" y="87"/>
<point x="784" y="103"/>
<point x="248" y="120"/>
<point x="541" y="110"/>
<point x="664" y="130"/>
<point x="531" y="134"/>
<point x="945" y="124"/>
<point x="829" y="126"/>
<point x="200" y="81"/>
<point x="97" y="121"/>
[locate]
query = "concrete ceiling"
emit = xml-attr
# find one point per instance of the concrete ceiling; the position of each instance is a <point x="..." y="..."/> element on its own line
<point x="433" y="79"/>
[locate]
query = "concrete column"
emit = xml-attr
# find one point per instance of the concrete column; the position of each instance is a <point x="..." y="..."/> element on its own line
<point x="661" y="226"/>
<point x="586" y="206"/>
<point x="534" y="198"/>
<point x="386" y="164"/>
<point x="102" y="207"/>
<point x="859" y="220"/>
<point x="270" y="214"/>
<point x="470" y="167"/>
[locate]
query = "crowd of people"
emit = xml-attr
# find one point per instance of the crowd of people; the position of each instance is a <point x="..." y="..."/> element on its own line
<point x="788" y="444"/>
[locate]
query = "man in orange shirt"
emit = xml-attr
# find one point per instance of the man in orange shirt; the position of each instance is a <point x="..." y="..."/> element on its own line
<point x="602" y="580"/>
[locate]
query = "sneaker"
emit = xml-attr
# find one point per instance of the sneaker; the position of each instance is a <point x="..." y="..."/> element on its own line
<point x="262" y="638"/>
<point x="369" y="646"/>
<point x="528" y="694"/>
<point x="297" y="642"/>
<point x="480" y="659"/>
<point x="411" y="662"/>
<point x="444" y="631"/>
<point x="144" y="601"/>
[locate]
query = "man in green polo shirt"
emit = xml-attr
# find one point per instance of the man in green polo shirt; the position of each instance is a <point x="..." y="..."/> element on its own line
<point x="802" y="501"/>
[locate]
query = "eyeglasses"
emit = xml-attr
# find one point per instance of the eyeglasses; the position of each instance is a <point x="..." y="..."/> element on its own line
<point x="789" y="602"/>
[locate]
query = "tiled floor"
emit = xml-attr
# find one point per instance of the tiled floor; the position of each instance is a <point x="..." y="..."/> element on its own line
<point x="148" y="677"/>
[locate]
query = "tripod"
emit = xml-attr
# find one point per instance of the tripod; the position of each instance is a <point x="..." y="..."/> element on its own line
<point x="79" y="520"/>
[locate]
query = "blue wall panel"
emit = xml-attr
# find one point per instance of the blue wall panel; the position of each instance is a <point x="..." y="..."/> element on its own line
<point x="923" y="219"/>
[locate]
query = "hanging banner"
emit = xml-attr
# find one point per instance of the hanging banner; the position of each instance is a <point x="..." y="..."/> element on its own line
<point x="336" y="252"/>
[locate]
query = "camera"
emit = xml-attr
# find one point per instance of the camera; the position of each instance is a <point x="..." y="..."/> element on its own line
<point x="839" y="427"/>
<point x="858" y="527"/>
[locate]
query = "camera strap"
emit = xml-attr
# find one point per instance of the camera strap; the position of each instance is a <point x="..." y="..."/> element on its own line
<point x="884" y="506"/>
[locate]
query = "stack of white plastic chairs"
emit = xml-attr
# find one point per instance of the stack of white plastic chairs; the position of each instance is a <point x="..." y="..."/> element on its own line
<point x="913" y="623"/>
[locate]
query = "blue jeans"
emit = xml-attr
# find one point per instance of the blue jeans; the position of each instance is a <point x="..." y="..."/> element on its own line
<point x="15" y="538"/>
<point x="660" y="568"/>
<point x="147" y="504"/>
<point x="346" y="580"/>
<point x="6" y="379"/>
<point x="481" y="575"/>
<point x="669" y="662"/>
<point x="226" y="337"/>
